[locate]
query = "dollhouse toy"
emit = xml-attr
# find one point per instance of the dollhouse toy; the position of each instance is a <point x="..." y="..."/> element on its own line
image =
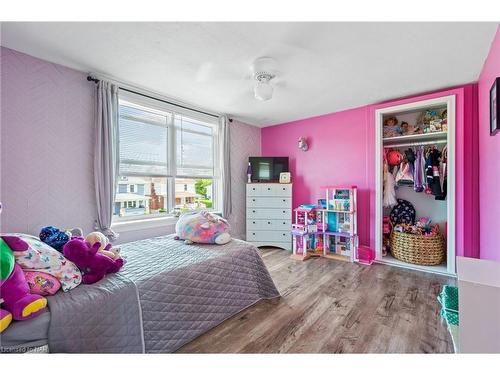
<point x="329" y="229"/>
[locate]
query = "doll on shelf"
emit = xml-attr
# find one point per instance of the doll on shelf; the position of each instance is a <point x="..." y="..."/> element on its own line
<point x="408" y="129"/>
<point x="391" y="128"/>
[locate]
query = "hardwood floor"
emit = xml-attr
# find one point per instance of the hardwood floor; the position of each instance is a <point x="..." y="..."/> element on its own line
<point x="329" y="306"/>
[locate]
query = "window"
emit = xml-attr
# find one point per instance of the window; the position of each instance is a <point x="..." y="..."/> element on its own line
<point x="168" y="160"/>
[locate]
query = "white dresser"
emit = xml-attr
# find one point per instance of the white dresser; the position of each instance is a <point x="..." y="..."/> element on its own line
<point x="269" y="214"/>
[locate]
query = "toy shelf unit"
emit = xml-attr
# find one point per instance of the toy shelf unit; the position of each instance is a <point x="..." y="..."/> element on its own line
<point x="328" y="229"/>
<point x="404" y="130"/>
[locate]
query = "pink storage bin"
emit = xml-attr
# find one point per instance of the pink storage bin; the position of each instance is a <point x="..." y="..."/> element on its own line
<point x="366" y="255"/>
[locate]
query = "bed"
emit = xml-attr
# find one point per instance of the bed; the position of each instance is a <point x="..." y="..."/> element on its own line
<point x="167" y="294"/>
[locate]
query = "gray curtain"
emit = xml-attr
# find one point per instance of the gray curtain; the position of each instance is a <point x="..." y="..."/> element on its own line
<point x="106" y="155"/>
<point x="226" y="165"/>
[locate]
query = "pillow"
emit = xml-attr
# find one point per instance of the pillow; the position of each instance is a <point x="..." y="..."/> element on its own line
<point x="42" y="283"/>
<point x="42" y="257"/>
<point x="403" y="212"/>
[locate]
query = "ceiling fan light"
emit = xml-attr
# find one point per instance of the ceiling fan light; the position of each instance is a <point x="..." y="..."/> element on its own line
<point x="263" y="91"/>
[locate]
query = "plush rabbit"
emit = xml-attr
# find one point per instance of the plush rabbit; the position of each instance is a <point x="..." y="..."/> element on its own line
<point x="202" y="227"/>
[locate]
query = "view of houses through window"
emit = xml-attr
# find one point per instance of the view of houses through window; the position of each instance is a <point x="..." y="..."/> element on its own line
<point x="149" y="195"/>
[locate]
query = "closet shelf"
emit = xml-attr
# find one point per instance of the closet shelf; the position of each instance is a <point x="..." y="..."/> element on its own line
<point x="416" y="138"/>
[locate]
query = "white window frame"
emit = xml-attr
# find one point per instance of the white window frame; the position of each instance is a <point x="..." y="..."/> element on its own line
<point x="171" y="175"/>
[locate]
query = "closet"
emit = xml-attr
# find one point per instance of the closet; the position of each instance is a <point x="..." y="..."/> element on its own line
<point x="415" y="185"/>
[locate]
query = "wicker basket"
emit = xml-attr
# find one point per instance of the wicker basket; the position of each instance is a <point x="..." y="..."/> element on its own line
<point x="417" y="249"/>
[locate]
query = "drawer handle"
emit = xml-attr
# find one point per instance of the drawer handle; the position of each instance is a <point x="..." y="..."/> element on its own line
<point x="253" y="200"/>
<point x="283" y="211"/>
<point x="268" y="188"/>
<point x="253" y="189"/>
<point x="253" y="211"/>
<point x="269" y="222"/>
<point x="253" y="234"/>
<point x="253" y="222"/>
<point x="284" y="189"/>
<point x="284" y="234"/>
<point x="284" y="200"/>
<point x="284" y="222"/>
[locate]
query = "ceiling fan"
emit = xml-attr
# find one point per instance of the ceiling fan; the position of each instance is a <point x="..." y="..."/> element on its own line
<point x="262" y="71"/>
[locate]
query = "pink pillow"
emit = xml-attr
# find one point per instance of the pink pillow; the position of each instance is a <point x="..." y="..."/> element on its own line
<point x="42" y="283"/>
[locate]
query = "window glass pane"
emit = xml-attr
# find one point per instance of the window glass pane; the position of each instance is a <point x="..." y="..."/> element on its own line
<point x="195" y="147"/>
<point x="146" y="196"/>
<point x="143" y="141"/>
<point x="193" y="194"/>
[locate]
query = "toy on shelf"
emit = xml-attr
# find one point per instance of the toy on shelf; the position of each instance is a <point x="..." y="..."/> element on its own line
<point x="328" y="229"/>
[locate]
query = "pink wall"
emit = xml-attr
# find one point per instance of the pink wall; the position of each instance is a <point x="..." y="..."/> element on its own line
<point x="342" y="149"/>
<point x="489" y="165"/>
<point x="339" y="153"/>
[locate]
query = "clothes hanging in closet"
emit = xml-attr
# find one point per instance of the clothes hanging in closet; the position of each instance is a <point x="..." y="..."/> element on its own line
<point x="418" y="179"/>
<point x="432" y="172"/>
<point x="389" y="192"/>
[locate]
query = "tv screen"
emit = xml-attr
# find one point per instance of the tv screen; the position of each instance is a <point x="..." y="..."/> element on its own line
<point x="268" y="169"/>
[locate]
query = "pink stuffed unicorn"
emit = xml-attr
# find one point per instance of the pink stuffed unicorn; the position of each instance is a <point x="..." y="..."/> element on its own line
<point x="202" y="227"/>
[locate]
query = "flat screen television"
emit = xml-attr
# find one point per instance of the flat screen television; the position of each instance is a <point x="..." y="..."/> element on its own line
<point x="268" y="169"/>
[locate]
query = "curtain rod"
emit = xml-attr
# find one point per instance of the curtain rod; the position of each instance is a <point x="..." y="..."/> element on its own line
<point x="96" y="80"/>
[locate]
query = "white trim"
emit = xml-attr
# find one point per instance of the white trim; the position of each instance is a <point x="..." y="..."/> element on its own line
<point x="449" y="101"/>
<point x="479" y="271"/>
<point x="140" y="224"/>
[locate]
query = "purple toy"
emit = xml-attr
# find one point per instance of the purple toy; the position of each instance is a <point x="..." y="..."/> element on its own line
<point x="18" y="302"/>
<point x="92" y="263"/>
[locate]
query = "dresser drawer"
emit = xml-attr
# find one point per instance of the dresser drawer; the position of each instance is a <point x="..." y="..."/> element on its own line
<point x="254" y="190"/>
<point x="269" y="190"/>
<point x="282" y="190"/>
<point x="271" y="224"/>
<point x="269" y="202"/>
<point x="268" y="236"/>
<point x="269" y="213"/>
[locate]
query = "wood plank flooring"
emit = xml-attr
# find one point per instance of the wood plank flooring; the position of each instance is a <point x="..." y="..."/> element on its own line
<point x="329" y="306"/>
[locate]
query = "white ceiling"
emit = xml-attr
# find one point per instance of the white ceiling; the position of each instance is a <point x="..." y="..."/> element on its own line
<point x="323" y="67"/>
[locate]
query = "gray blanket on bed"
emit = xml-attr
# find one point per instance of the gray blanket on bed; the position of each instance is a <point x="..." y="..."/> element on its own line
<point x="167" y="294"/>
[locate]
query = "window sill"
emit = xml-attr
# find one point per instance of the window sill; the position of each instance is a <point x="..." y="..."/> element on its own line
<point x="140" y="224"/>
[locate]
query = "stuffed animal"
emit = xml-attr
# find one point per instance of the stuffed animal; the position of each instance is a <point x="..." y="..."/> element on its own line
<point x="202" y="227"/>
<point x="106" y="247"/>
<point x="54" y="237"/>
<point x="18" y="302"/>
<point x="91" y="262"/>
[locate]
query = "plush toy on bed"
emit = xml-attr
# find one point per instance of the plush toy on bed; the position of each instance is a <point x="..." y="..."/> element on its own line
<point x="89" y="260"/>
<point x="18" y="302"/>
<point x="56" y="238"/>
<point x="106" y="248"/>
<point x="202" y="227"/>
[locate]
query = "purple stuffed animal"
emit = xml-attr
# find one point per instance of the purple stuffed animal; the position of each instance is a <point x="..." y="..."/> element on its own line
<point x="92" y="263"/>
